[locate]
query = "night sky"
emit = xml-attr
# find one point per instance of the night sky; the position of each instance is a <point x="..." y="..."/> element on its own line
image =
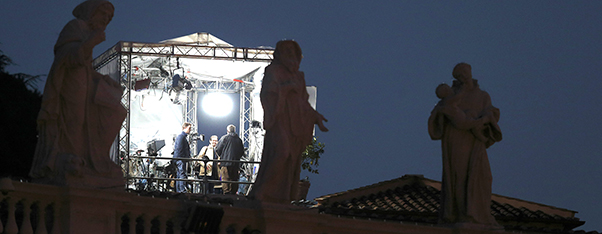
<point x="376" y="65"/>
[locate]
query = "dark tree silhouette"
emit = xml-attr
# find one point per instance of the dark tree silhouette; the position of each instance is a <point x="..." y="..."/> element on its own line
<point x="19" y="106"/>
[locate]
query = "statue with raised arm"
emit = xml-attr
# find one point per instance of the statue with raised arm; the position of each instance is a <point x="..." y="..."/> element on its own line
<point x="81" y="112"/>
<point x="466" y="123"/>
<point x="289" y="123"/>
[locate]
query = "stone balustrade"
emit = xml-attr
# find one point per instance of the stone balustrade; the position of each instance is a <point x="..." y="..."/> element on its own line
<point x="44" y="209"/>
<point x="29" y="208"/>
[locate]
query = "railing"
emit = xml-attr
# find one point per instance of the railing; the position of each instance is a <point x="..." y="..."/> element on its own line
<point x="152" y="180"/>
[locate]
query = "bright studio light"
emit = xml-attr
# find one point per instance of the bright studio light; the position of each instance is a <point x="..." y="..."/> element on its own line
<point x="217" y="104"/>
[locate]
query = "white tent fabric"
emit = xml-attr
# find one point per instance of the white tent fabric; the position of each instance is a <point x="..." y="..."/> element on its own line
<point x="201" y="69"/>
<point x="199" y="38"/>
<point x="154" y="116"/>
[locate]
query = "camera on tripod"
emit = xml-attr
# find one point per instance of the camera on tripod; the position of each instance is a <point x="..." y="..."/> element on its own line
<point x="195" y="136"/>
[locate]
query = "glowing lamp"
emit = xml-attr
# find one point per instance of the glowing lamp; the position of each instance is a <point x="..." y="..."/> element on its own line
<point x="217" y="104"/>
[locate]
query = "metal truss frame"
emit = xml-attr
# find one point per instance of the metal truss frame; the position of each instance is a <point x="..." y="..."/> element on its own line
<point x="125" y="78"/>
<point x="244" y="89"/>
<point x="123" y="51"/>
<point x="189" y="113"/>
<point x="188" y="51"/>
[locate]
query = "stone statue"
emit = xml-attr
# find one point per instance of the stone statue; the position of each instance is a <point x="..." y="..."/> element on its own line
<point x="289" y="122"/>
<point x="466" y="123"/>
<point x="81" y="113"/>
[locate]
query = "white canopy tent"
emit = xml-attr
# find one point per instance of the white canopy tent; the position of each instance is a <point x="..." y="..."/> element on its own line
<point x="200" y="38"/>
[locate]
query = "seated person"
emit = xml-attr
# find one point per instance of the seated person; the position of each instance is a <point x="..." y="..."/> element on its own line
<point x="208" y="153"/>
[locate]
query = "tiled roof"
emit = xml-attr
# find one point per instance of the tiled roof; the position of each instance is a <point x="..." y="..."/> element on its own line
<point x="416" y="199"/>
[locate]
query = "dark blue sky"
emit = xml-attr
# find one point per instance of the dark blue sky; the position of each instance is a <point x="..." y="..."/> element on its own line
<point x="376" y="65"/>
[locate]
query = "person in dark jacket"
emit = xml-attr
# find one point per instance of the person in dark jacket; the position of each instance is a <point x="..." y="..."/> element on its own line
<point x="229" y="147"/>
<point x="182" y="150"/>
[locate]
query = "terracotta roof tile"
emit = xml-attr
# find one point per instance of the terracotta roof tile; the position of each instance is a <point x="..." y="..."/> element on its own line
<point x="416" y="199"/>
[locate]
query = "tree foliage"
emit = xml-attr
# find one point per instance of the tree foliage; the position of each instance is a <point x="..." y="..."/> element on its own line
<point x="19" y="106"/>
<point x="311" y="155"/>
<point x="4" y="61"/>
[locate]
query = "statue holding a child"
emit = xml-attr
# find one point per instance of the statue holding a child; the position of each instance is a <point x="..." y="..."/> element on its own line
<point x="466" y="123"/>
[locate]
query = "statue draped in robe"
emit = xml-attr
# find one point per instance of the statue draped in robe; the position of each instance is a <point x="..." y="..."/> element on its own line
<point x="81" y="113"/>
<point x="466" y="182"/>
<point x="288" y="121"/>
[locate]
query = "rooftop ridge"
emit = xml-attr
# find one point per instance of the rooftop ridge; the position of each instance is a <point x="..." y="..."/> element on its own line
<point x="420" y="179"/>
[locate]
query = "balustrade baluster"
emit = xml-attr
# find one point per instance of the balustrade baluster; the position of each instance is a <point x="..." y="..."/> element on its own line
<point x="11" y="222"/>
<point x="147" y="223"/>
<point x="132" y="223"/>
<point x="119" y="222"/>
<point x="41" y="227"/>
<point x="162" y="224"/>
<point x="26" y="225"/>
<point x="1" y="226"/>
<point x="177" y="226"/>
<point x="56" y="217"/>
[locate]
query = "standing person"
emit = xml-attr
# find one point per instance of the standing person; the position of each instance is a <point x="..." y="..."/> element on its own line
<point x="81" y="113"/>
<point x="230" y="147"/>
<point x="466" y="177"/>
<point x="289" y="123"/>
<point x="182" y="150"/>
<point x="208" y="153"/>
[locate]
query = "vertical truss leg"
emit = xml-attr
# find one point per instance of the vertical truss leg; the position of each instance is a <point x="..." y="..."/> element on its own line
<point x="125" y="78"/>
<point x="190" y="115"/>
